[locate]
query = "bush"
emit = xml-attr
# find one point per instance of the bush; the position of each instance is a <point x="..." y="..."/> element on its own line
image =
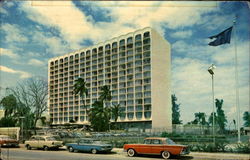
<point x="243" y="148"/>
<point x="208" y="147"/>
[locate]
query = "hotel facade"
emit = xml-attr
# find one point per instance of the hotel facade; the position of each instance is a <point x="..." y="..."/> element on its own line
<point x="135" y="66"/>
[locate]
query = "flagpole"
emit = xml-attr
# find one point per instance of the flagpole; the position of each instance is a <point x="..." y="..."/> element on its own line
<point x="236" y="81"/>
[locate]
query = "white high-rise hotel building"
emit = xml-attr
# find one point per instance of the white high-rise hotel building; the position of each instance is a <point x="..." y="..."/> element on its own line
<point x="136" y="66"/>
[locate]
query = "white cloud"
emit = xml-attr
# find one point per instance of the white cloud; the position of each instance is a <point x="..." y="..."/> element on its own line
<point x="75" y="26"/>
<point x="182" y="34"/>
<point x="13" y="33"/>
<point x="54" y="45"/>
<point x="3" y="11"/>
<point x="9" y="53"/>
<point x="36" y="62"/>
<point x="21" y="73"/>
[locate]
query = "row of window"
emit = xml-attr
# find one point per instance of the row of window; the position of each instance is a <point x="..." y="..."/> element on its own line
<point x="138" y="37"/>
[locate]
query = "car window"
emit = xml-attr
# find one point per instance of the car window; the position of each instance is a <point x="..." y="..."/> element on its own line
<point x="41" y="139"/>
<point x="34" y="138"/>
<point x="156" y="141"/>
<point x="147" y="141"/>
<point x="169" y="141"/>
<point x="51" y="139"/>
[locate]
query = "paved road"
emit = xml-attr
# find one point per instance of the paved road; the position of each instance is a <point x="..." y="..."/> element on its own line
<point x="23" y="154"/>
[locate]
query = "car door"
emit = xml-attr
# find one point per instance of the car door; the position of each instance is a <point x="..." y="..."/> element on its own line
<point x="144" y="148"/>
<point x="156" y="146"/>
<point x="34" y="142"/>
<point x="82" y="145"/>
<point x="41" y="142"/>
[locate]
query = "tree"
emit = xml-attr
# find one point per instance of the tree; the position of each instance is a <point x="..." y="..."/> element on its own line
<point x="221" y="117"/>
<point x="210" y="119"/>
<point x="9" y="104"/>
<point x="14" y="110"/>
<point x="246" y="118"/>
<point x="116" y="112"/>
<point x="31" y="96"/>
<point x="80" y="89"/>
<point x="200" y="118"/>
<point x="175" y="111"/>
<point x="7" y="122"/>
<point x="99" y="116"/>
<point x="105" y="94"/>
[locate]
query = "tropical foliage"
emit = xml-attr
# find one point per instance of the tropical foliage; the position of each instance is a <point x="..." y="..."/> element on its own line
<point x="99" y="116"/>
<point x="175" y="111"/>
<point x="81" y="90"/>
<point x="115" y="112"/>
<point x="246" y="118"/>
<point x="221" y="117"/>
<point x="200" y="118"/>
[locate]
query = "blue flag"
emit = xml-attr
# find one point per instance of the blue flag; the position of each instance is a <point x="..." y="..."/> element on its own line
<point x="221" y="38"/>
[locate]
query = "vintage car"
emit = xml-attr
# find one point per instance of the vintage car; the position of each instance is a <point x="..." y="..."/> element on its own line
<point x="156" y="146"/>
<point x="44" y="142"/>
<point x="89" y="145"/>
<point x="8" y="142"/>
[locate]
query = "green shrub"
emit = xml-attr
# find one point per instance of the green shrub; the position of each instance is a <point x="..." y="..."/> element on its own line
<point x="243" y="148"/>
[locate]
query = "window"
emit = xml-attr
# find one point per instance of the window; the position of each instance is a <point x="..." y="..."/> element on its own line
<point x="137" y="37"/>
<point x="169" y="141"/>
<point x="122" y="42"/>
<point x="146" y="34"/>
<point x="114" y="45"/>
<point x="130" y="40"/>
<point x="156" y="141"/>
<point x="147" y="141"/>
<point x="107" y="47"/>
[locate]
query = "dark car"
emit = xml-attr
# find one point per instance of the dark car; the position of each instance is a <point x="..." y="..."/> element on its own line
<point x="8" y="142"/>
<point x="89" y="145"/>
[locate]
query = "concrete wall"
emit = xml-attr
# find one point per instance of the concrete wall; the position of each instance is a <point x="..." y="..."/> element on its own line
<point x="160" y="73"/>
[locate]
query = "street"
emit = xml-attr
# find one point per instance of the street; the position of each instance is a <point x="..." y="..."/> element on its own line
<point x="117" y="154"/>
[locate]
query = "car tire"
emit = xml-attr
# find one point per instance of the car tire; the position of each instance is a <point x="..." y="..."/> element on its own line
<point x="28" y="147"/>
<point x="165" y="154"/>
<point x="93" y="151"/>
<point x="45" y="148"/>
<point x="131" y="152"/>
<point x="71" y="149"/>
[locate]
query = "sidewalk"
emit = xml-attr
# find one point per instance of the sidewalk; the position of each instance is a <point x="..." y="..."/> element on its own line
<point x="220" y="155"/>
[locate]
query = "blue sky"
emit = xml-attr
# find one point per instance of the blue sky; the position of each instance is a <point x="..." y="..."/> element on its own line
<point x="33" y="32"/>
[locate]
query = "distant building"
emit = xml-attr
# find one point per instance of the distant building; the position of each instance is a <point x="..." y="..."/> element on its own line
<point x="136" y="66"/>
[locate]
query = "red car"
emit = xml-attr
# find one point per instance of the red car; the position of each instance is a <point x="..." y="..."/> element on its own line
<point x="156" y="146"/>
<point x="8" y="142"/>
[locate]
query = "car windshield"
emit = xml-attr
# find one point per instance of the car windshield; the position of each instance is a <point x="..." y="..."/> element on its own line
<point x="169" y="141"/>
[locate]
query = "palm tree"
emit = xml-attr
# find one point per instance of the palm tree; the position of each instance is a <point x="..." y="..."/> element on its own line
<point x="80" y="89"/>
<point x="116" y="112"/>
<point x="200" y="118"/>
<point x="99" y="116"/>
<point x="105" y="94"/>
